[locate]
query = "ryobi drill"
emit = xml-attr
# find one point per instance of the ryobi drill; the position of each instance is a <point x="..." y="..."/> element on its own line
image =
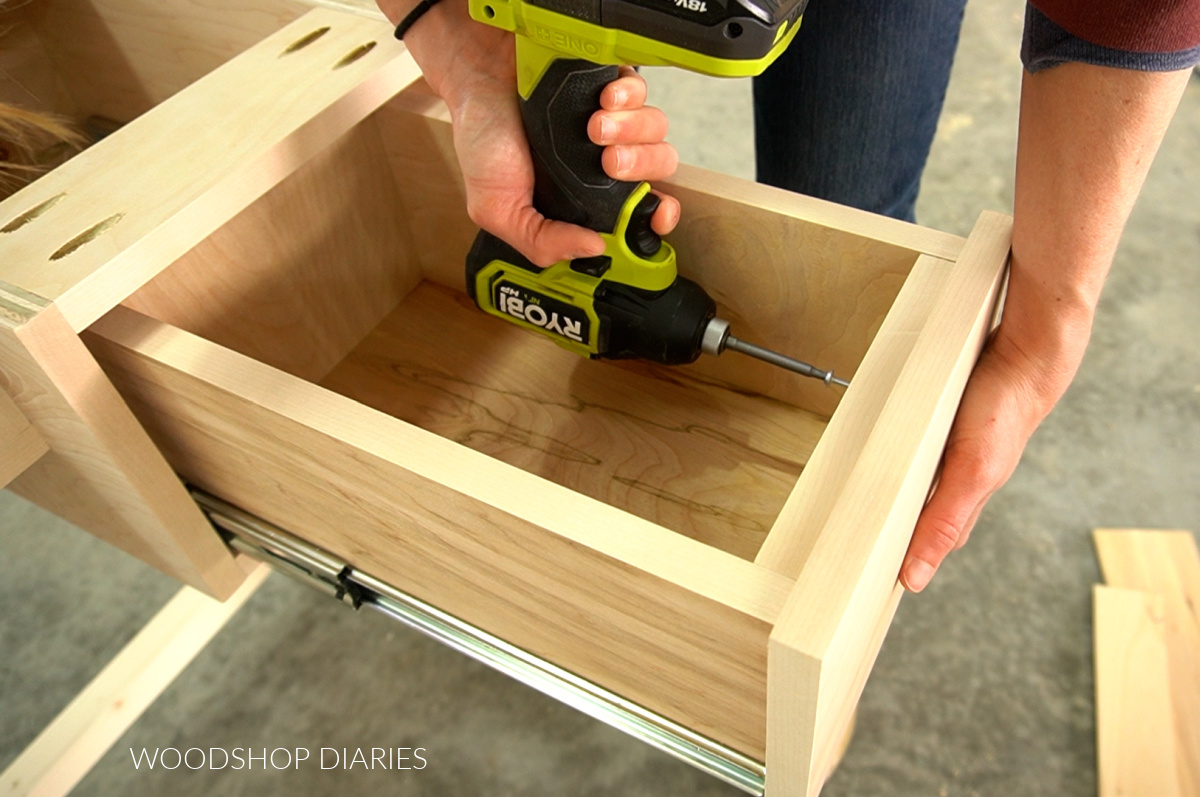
<point x="630" y="301"/>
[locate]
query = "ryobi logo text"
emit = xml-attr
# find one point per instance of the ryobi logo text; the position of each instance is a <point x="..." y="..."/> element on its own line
<point x="543" y="312"/>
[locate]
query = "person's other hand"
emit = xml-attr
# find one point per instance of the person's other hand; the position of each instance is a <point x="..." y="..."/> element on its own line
<point x="1086" y="139"/>
<point x="999" y="412"/>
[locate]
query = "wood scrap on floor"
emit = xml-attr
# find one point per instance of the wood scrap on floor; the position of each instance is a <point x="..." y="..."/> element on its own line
<point x="1165" y="567"/>
<point x="1134" y="722"/>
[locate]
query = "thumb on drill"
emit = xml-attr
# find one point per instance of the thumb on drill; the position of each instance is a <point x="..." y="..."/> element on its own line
<point x="544" y="241"/>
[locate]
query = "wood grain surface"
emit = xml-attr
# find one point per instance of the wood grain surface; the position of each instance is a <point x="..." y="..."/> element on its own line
<point x="803" y="517"/>
<point x="809" y="278"/>
<point x="297" y="279"/>
<point x="20" y="443"/>
<point x="692" y="456"/>
<point x="1166" y="563"/>
<point x="101" y="472"/>
<point x="1135" y="732"/>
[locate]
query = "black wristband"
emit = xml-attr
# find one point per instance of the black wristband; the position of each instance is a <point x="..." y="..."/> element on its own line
<point x="413" y="16"/>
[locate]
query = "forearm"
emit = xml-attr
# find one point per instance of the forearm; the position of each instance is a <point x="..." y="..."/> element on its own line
<point x="1086" y="140"/>
<point x="454" y="52"/>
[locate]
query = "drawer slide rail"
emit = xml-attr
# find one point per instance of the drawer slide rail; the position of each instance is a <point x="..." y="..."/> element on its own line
<point x="317" y="568"/>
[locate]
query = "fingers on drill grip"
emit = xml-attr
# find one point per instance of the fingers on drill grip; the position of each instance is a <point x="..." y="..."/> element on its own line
<point x="645" y="125"/>
<point x="626" y="93"/>
<point x="571" y="184"/>
<point x="648" y="162"/>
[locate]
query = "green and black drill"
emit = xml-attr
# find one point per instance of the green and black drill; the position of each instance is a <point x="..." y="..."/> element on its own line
<point x="630" y="302"/>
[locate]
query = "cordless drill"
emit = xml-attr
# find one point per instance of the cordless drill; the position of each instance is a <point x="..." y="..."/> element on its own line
<point x="630" y="302"/>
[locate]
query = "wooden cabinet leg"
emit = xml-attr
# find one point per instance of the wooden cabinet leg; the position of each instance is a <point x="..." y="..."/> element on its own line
<point x="102" y="472"/>
<point x="20" y="443"/>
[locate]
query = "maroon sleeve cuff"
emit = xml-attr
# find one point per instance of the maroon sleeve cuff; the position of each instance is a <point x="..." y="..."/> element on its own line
<point x="1147" y="26"/>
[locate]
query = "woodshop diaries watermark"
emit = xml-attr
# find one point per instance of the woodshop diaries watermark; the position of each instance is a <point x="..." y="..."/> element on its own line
<point x="249" y="758"/>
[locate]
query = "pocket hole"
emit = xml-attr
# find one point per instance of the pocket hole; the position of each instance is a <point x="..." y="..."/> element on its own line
<point x="88" y="235"/>
<point x="31" y="214"/>
<point x="355" y="54"/>
<point x="304" y="41"/>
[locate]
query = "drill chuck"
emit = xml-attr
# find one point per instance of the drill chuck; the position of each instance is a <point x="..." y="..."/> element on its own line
<point x="664" y="326"/>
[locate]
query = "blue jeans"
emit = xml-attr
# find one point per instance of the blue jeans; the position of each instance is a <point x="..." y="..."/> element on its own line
<point x="849" y="111"/>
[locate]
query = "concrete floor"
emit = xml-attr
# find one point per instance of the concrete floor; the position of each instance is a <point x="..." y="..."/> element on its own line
<point x="984" y="685"/>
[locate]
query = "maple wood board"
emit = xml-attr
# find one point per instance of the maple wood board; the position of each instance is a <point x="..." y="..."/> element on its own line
<point x="20" y="443"/>
<point x="79" y="240"/>
<point x="113" y="224"/>
<point x="1166" y="563"/>
<point x="297" y="279"/>
<point x="1135" y="733"/>
<point x="100" y="470"/>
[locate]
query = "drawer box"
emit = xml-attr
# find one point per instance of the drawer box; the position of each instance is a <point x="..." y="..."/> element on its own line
<point x="280" y="305"/>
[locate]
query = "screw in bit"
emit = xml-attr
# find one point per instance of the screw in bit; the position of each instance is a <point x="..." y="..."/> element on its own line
<point x="717" y="339"/>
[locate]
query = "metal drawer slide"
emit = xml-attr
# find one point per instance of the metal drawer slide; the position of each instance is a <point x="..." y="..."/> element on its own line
<point x="317" y="568"/>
